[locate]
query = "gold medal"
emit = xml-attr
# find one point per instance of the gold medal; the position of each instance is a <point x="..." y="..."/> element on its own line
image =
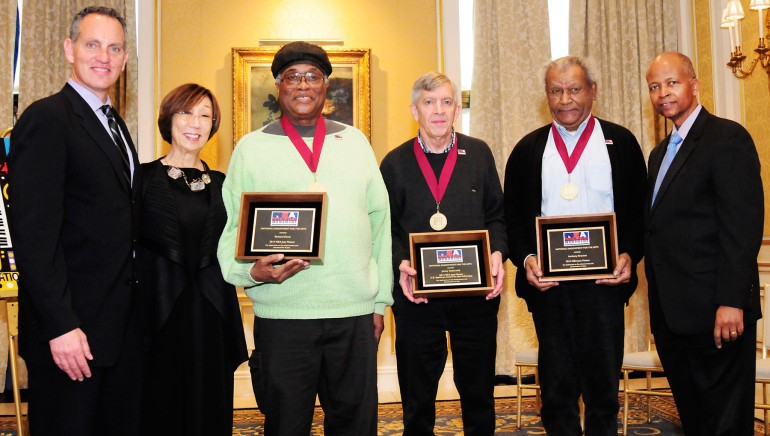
<point x="438" y="221"/>
<point x="569" y="191"/>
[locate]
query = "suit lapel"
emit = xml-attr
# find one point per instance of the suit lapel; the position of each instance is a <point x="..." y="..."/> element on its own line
<point x="685" y="150"/>
<point x="656" y="159"/>
<point x="98" y="133"/>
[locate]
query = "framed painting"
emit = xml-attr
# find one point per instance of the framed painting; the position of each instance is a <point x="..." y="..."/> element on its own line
<point x="255" y="96"/>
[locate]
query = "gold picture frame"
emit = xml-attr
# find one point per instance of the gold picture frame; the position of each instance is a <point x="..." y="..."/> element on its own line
<point x="255" y="95"/>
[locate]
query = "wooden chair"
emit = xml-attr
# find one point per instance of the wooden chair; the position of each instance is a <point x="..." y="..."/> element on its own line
<point x="763" y="364"/>
<point x="526" y="358"/>
<point x="649" y="362"/>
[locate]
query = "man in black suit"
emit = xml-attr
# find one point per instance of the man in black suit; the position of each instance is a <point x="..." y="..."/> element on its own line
<point x="73" y="196"/>
<point x="576" y="165"/>
<point x="704" y="229"/>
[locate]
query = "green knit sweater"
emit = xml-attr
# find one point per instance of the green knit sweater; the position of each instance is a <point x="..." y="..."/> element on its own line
<point x="355" y="277"/>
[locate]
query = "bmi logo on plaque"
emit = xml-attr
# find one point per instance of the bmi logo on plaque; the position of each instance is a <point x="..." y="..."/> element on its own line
<point x="576" y="238"/>
<point x="283" y="218"/>
<point x="449" y="256"/>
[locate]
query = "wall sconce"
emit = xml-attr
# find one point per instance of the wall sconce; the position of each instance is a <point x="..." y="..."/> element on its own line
<point x="731" y="20"/>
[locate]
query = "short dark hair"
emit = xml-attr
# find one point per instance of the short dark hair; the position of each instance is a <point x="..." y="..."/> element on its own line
<point x="184" y="97"/>
<point x="101" y="10"/>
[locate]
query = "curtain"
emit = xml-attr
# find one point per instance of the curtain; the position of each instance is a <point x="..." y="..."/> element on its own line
<point x="7" y="39"/>
<point x="507" y="102"/>
<point x="44" y="70"/>
<point x="622" y="38"/>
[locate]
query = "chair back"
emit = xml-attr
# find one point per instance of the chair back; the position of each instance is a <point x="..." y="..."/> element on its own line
<point x="765" y="322"/>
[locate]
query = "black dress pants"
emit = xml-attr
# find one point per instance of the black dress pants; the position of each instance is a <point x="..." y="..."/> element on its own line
<point x="580" y="328"/>
<point x="295" y="359"/>
<point x="713" y="388"/>
<point x="109" y="402"/>
<point x="421" y="353"/>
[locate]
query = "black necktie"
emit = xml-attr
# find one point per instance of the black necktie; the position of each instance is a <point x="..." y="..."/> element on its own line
<point x="112" y="123"/>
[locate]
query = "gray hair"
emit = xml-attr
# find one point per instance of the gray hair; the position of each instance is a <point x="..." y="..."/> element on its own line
<point x="565" y="62"/>
<point x="429" y="82"/>
<point x="101" y="10"/>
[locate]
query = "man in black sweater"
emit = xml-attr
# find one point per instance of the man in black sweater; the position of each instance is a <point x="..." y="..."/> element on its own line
<point x="438" y="181"/>
<point x="576" y="165"/>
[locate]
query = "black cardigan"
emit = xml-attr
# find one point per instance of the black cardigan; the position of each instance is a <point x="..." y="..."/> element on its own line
<point x="473" y="199"/>
<point x="523" y="196"/>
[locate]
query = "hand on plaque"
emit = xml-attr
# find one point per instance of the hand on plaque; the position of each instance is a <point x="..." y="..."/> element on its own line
<point x="405" y="280"/>
<point x="622" y="272"/>
<point x="534" y="274"/>
<point x="265" y="270"/>
<point x="498" y="273"/>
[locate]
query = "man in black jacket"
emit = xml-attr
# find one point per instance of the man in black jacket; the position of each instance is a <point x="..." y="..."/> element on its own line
<point x="73" y="192"/>
<point x="438" y="181"/>
<point x="576" y="165"/>
<point x="704" y="222"/>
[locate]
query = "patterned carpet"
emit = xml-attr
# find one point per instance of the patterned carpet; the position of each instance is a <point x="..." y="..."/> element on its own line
<point x="665" y="421"/>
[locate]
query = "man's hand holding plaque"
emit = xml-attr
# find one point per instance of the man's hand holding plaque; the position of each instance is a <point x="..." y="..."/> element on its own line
<point x="498" y="275"/>
<point x="406" y="280"/>
<point x="622" y="272"/>
<point x="266" y="270"/>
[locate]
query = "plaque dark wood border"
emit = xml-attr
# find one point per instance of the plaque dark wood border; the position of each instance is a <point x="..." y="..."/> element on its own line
<point x="476" y="237"/>
<point x="253" y="200"/>
<point x="567" y="222"/>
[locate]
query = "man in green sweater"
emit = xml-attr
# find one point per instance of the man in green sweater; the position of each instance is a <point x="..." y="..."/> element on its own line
<point x="316" y="325"/>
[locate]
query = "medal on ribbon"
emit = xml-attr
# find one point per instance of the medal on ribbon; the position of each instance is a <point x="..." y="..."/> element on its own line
<point x="569" y="191"/>
<point x="311" y="158"/>
<point x="438" y="220"/>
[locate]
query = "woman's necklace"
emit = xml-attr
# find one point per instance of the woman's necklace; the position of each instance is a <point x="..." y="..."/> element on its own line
<point x="196" y="185"/>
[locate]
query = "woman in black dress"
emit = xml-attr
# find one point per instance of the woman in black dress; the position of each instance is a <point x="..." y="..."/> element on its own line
<point x="195" y="336"/>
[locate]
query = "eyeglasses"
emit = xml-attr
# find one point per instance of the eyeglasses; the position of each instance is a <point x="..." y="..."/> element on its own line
<point x="556" y="93"/>
<point x="295" y="78"/>
<point x="188" y="116"/>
